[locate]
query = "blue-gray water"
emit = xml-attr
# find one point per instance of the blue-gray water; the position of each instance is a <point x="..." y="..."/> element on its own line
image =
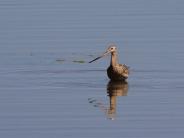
<point x="47" y="91"/>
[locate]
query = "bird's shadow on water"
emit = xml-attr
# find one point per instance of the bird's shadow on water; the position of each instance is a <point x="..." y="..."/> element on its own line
<point x="114" y="89"/>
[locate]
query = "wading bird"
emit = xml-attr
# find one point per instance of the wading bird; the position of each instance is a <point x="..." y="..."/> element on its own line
<point x="115" y="71"/>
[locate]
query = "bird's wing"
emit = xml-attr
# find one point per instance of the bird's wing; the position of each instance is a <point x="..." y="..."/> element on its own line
<point x="124" y="68"/>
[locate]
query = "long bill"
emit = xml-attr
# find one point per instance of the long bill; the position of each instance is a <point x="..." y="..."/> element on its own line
<point x="107" y="52"/>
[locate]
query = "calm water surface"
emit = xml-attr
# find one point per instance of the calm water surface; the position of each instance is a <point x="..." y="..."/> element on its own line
<point x="47" y="88"/>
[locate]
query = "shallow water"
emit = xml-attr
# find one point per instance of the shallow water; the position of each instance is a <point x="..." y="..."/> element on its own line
<point x="48" y="89"/>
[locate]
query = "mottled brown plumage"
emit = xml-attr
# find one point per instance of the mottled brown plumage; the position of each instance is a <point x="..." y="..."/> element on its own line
<point x="115" y="71"/>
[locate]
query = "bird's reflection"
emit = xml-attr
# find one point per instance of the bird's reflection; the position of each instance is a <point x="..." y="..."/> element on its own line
<point x="114" y="89"/>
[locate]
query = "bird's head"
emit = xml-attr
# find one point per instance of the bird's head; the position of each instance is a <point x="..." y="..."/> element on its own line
<point x="110" y="49"/>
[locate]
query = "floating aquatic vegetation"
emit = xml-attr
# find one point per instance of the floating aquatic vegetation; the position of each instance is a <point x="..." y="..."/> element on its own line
<point x="78" y="61"/>
<point x="60" y="60"/>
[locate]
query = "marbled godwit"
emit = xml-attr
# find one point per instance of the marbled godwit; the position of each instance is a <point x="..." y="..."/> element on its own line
<point x="115" y="71"/>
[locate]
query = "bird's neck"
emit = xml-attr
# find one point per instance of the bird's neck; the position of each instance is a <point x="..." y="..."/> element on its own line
<point x="114" y="59"/>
